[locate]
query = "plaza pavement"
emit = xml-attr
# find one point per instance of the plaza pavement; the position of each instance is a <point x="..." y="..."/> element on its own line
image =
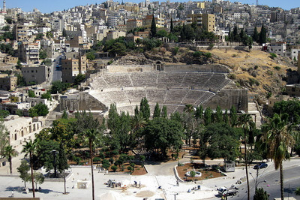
<point x="159" y="175"/>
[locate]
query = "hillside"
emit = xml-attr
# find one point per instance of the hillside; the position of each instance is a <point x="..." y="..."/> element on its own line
<point x="255" y="70"/>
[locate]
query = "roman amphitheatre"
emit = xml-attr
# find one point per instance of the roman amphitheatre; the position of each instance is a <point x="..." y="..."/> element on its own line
<point x="170" y="81"/>
<point x="173" y="86"/>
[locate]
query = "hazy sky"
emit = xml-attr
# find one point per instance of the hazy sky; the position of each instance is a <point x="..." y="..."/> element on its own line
<point x="47" y="6"/>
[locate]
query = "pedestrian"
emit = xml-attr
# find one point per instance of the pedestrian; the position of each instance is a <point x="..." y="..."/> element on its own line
<point x="139" y="184"/>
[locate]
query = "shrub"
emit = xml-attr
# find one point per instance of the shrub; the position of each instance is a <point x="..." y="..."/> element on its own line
<point x="197" y="54"/>
<point x="269" y="94"/>
<point x="114" y="168"/>
<point x="96" y="159"/>
<point x="255" y="67"/>
<point x="115" y="152"/>
<point x="232" y="76"/>
<point x="260" y="194"/>
<point x="207" y="55"/>
<point x="111" y="160"/>
<point x="110" y="62"/>
<point x="273" y="55"/>
<point x="129" y="168"/>
<point x="175" y="50"/>
<point x="101" y="155"/>
<point x="253" y="81"/>
<point x="297" y="192"/>
<point x="277" y="68"/>
<point x="210" y="47"/>
<point x="234" y="55"/>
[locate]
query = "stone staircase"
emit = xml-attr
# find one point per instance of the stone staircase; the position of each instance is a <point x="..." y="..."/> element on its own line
<point x="252" y="109"/>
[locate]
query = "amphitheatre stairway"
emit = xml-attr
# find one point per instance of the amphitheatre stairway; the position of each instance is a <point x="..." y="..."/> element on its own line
<point x="172" y="89"/>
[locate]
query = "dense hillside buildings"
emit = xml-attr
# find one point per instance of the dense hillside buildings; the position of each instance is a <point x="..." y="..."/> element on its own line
<point x="73" y="66"/>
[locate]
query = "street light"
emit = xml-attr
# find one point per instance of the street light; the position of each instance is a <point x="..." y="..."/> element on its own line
<point x="256" y="179"/>
<point x="54" y="152"/>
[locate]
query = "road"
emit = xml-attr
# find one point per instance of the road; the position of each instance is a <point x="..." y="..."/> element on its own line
<point x="272" y="184"/>
<point x="55" y="75"/>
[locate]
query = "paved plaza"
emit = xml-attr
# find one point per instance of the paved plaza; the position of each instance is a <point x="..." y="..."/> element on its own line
<point x="159" y="183"/>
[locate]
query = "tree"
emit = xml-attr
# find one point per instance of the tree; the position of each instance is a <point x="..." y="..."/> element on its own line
<point x="218" y="115"/>
<point x="23" y="170"/>
<point x="171" y="27"/>
<point x="192" y="174"/>
<point x="156" y="111"/>
<point x="38" y="110"/>
<point x="153" y="28"/>
<point x="223" y="142"/>
<point x="162" y="133"/>
<point x="92" y="135"/>
<point x="164" y="112"/>
<point x="145" y="108"/>
<point x="38" y="178"/>
<point x="118" y="49"/>
<point x="289" y="108"/>
<point x="49" y="34"/>
<point x="4" y="137"/>
<point x="6" y="28"/>
<point x="244" y="121"/>
<point x="59" y="87"/>
<point x="263" y="35"/>
<point x="207" y="116"/>
<point x="31" y="93"/>
<point x="29" y="148"/>
<point x="255" y="35"/>
<point x="46" y="96"/>
<point x="9" y="152"/>
<point x="162" y="33"/>
<point x="233" y="116"/>
<point x="199" y="112"/>
<point x="47" y="62"/>
<point x="65" y="115"/>
<point x="79" y="78"/>
<point x="43" y="54"/>
<point x="278" y="139"/>
<point x="39" y="36"/>
<point x="91" y="55"/>
<point x="64" y="33"/>
<point x="4" y="113"/>
<point x="260" y="194"/>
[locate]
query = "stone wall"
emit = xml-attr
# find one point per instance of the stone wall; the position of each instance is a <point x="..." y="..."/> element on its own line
<point x="129" y="68"/>
<point x="197" y="68"/>
<point x="81" y="101"/>
<point x="227" y="98"/>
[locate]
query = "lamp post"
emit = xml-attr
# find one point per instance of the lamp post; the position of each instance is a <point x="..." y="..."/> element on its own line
<point x="54" y="152"/>
<point x="256" y="180"/>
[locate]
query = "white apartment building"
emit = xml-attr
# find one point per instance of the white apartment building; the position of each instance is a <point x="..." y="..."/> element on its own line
<point x="278" y="48"/>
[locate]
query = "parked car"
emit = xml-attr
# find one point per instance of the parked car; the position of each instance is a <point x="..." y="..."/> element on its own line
<point x="223" y="191"/>
<point x="261" y="165"/>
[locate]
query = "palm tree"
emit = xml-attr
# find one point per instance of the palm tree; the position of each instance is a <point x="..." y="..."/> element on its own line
<point x="92" y="136"/>
<point x="244" y="121"/>
<point x="9" y="152"/>
<point x="29" y="148"/>
<point x="278" y="139"/>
